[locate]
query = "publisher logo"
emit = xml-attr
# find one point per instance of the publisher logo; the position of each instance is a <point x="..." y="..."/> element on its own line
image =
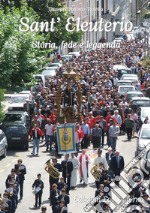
<point x="118" y="197"/>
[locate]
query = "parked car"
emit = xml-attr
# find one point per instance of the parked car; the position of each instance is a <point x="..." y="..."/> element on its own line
<point x="3" y="144"/>
<point x="145" y="163"/>
<point x="67" y="58"/>
<point x="143" y="139"/>
<point x="121" y="69"/>
<point x="58" y="65"/>
<point x="133" y="78"/>
<point x="17" y="136"/>
<point x="16" y="107"/>
<point x="20" y="98"/>
<point x="118" y="39"/>
<point x="122" y="90"/>
<point x="76" y="54"/>
<point x="27" y="92"/>
<point x="141" y="101"/>
<point x="132" y="94"/>
<point x="40" y="78"/>
<point x="124" y="82"/>
<point x="15" y="117"/>
<point x="49" y="72"/>
<point x="143" y="112"/>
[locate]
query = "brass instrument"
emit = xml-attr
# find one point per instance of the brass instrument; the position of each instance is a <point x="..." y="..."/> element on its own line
<point x="3" y="205"/>
<point x="52" y="171"/>
<point x="96" y="171"/>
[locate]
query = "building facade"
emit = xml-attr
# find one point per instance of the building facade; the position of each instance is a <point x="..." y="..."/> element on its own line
<point x="94" y="10"/>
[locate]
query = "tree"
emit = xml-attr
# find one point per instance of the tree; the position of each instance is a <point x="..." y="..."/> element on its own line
<point x="18" y="59"/>
<point x="1" y="106"/>
<point x="48" y="9"/>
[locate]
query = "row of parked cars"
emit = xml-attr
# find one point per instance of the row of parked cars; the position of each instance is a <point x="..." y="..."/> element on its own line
<point x="129" y="87"/>
<point x="15" y="126"/>
<point x="53" y="69"/>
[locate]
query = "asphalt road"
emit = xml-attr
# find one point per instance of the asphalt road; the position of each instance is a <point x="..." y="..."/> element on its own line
<point x="78" y="197"/>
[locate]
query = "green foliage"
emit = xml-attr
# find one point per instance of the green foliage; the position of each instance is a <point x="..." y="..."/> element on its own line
<point x="1" y="105"/>
<point x="44" y="9"/>
<point x="18" y="60"/>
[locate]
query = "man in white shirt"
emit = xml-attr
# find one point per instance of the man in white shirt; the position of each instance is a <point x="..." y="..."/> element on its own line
<point x="98" y="161"/>
<point x="117" y="117"/>
<point x="49" y="135"/>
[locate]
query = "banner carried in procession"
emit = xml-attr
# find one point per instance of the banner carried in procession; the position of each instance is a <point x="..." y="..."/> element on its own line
<point x="66" y="138"/>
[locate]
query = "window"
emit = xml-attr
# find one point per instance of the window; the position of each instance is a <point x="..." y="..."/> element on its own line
<point x="145" y="134"/>
<point x="16" y="129"/>
<point x="13" y="117"/>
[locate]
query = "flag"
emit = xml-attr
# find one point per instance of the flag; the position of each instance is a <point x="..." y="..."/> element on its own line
<point x="66" y="138"/>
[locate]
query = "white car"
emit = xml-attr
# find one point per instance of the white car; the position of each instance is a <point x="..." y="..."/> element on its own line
<point x="26" y="92"/>
<point x="66" y="57"/>
<point x="131" y="76"/>
<point x="76" y="54"/>
<point x="16" y="107"/>
<point x="3" y="144"/>
<point x="124" y="82"/>
<point x="145" y="163"/>
<point x="122" y="90"/>
<point x="49" y="72"/>
<point x="143" y="139"/>
<point x="58" y="65"/>
<point x="20" y="98"/>
<point x="40" y="78"/>
<point x="119" y="39"/>
<point x="121" y="69"/>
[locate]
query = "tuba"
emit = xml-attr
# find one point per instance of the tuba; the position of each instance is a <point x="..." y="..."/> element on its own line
<point x="52" y="171"/>
<point x="96" y="171"/>
<point x="3" y="205"/>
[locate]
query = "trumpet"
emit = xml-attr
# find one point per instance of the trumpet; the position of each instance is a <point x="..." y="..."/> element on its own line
<point x="51" y="170"/>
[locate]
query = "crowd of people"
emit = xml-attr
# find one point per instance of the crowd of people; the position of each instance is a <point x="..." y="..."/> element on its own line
<point x="104" y="116"/>
<point x="14" y="185"/>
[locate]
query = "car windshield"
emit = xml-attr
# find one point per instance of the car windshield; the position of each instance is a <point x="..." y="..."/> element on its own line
<point x="145" y="112"/>
<point x="134" y="95"/>
<point x="145" y="133"/>
<point x="49" y="72"/>
<point x="142" y="102"/>
<point x="130" y="79"/>
<point x="12" y="117"/>
<point x="126" y="89"/>
<point x="19" y="99"/>
<point x="54" y="65"/>
<point x="125" y="71"/>
<point x="16" y="129"/>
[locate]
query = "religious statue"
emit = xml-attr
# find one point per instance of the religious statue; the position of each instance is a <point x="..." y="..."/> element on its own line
<point x="69" y="94"/>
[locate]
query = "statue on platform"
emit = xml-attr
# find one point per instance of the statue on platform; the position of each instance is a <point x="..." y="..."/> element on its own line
<point x="69" y="94"/>
<point x="68" y="98"/>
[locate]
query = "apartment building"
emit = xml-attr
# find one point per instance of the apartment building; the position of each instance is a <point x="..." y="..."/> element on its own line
<point x="94" y="10"/>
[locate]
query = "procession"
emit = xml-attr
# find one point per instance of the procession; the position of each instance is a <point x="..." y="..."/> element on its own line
<point x="77" y="117"/>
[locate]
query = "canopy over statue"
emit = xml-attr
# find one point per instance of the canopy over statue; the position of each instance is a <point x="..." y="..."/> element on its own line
<point x="68" y="99"/>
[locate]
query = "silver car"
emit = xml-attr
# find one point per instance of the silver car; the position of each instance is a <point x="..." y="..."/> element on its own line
<point x="143" y="139"/>
<point x="145" y="163"/>
<point x="3" y="144"/>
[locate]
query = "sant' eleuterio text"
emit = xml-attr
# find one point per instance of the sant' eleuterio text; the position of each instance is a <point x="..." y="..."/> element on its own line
<point x="100" y="25"/>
